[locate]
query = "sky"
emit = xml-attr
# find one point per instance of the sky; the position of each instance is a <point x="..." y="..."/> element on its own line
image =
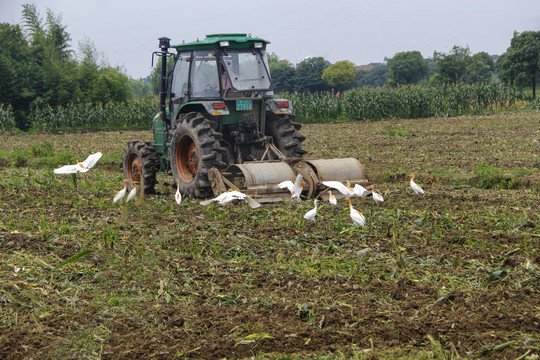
<point x="126" y="32"/>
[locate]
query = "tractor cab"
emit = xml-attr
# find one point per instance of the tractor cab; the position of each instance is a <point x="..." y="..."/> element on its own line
<point x="220" y="74"/>
<point x="224" y="68"/>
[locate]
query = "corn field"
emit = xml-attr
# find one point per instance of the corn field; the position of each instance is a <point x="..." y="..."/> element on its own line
<point x="402" y="102"/>
<point x="132" y="115"/>
<point x="7" y="119"/>
<point x="355" y="104"/>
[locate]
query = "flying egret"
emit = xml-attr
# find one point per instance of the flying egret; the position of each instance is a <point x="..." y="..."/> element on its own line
<point x="231" y="195"/>
<point x="84" y="166"/>
<point x="359" y="190"/>
<point x="295" y="189"/>
<point x="178" y="195"/>
<point x="310" y="215"/>
<point x="332" y="198"/>
<point x="347" y="190"/>
<point x="417" y="189"/>
<point x="132" y="193"/>
<point x="357" y="217"/>
<point x="120" y="194"/>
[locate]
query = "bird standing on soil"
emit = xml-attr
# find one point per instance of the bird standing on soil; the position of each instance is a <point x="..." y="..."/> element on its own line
<point x="231" y="195"/>
<point x="132" y="193"/>
<point x="416" y="188"/>
<point x="178" y="195"/>
<point x="296" y="188"/>
<point x="376" y="196"/>
<point x="84" y="166"/>
<point x="120" y="194"/>
<point x="332" y="198"/>
<point x="357" y="217"/>
<point x="310" y="215"/>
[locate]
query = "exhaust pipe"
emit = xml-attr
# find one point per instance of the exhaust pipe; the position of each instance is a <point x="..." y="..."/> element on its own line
<point x="164" y="45"/>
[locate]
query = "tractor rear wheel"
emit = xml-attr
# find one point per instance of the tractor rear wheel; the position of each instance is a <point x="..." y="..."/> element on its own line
<point x="195" y="149"/>
<point x="286" y="135"/>
<point x="140" y="162"/>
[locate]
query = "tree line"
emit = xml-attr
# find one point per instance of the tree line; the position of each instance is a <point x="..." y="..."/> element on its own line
<point x="38" y="68"/>
<point x="518" y="66"/>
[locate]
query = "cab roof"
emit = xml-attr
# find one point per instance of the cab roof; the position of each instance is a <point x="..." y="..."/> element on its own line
<point x="214" y="41"/>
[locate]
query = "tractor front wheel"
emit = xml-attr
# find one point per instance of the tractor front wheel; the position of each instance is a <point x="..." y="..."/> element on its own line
<point x="195" y="149"/>
<point x="140" y="165"/>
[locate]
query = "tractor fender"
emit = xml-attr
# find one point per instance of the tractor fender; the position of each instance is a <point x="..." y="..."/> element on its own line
<point x="209" y="108"/>
<point x="276" y="109"/>
<point x="202" y="107"/>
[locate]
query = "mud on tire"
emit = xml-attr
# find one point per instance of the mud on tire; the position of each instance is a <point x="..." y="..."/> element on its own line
<point x="195" y="149"/>
<point x="139" y="162"/>
<point x="285" y="132"/>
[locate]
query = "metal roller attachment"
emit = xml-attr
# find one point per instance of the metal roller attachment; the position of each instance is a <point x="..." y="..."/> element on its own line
<point x="260" y="179"/>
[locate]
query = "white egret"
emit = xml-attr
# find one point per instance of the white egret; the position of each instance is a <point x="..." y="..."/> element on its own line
<point x="178" y="195"/>
<point x="376" y="196"/>
<point x="295" y="188"/>
<point x="357" y="217"/>
<point x="232" y="195"/>
<point x="132" y="193"/>
<point x="332" y="198"/>
<point x="84" y="166"/>
<point x="417" y="189"/>
<point x="120" y="194"/>
<point x="310" y="215"/>
<point x="359" y="190"/>
<point x="347" y="190"/>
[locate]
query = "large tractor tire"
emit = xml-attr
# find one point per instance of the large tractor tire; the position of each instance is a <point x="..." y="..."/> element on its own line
<point x="195" y="149"/>
<point x="140" y="162"/>
<point x="286" y="135"/>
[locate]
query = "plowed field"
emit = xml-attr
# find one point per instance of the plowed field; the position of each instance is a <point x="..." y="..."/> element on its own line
<point x="452" y="274"/>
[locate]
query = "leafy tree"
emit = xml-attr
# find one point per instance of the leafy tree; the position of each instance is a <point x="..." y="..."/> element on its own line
<point x="16" y="86"/>
<point x="155" y="76"/>
<point x="273" y="58"/>
<point x="14" y="55"/>
<point x="521" y="62"/>
<point x="407" y="67"/>
<point x="451" y="67"/>
<point x="57" y="37"/>
<point x="33" y="22"/>
<point x="480" y="69"/>
<point x="51" y="69"/>
<point x="376" y="77"/>
<point x="309" y="75"/>
<point x="283" y="76"/>
<point x="37" y="67"/>
<point x="340" y="75"/>
<point x="87" y="71"/>
<point x="118" y="84"/>
<point x="140" y="88"/>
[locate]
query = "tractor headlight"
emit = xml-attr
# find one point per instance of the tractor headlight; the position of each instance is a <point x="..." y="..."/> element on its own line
<point x="223" y="43"/>
<point x="258" y="45"/>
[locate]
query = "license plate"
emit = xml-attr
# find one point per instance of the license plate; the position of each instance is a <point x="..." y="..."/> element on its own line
<point x="244" y="105"/>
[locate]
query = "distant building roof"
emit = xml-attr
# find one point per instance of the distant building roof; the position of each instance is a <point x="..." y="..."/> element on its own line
<point x="364" y="67"/>
<point x="369" y="66"/>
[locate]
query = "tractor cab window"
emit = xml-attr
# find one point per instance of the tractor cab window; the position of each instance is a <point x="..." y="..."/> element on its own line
<point x="204" y="75"/>
<point x="247" y="69"/>
<point x="179" y="86"/>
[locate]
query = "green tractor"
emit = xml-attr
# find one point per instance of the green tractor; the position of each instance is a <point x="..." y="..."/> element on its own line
<point x="220" y="127"/>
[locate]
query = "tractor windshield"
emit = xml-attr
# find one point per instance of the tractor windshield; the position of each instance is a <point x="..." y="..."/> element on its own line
<point x="247" y="69"/>
<point x="204" y="75"/>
